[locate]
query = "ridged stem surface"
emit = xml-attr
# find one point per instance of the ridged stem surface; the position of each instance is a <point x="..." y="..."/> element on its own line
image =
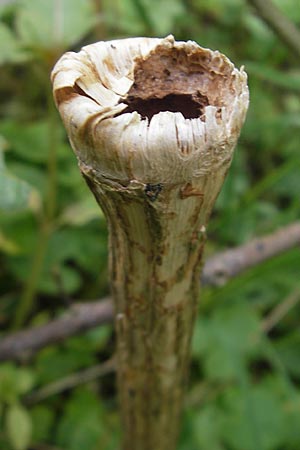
<point x="156" y="241"/>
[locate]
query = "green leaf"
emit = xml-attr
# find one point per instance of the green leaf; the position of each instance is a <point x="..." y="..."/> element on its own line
<point x="43" y="418"/>
<point x="81" y="212"/>
<point x="75" y="243"/>
<point x="7" y="245"/>
<point x="289" y="81"/>
<point x="14" y="382"/>
<point x="31" y="173"/>
<point x="28" y="141"/>
<point x="288" y="350"/>
<point x="68" y="249"/>
<point x="8" y="378"/>
<point x="158" y="15"/>
<point x="253" y="419"/>
<point x="292" y="423"/>
<point x="53" y="24"/>
<point x="226" y="340"/>
<point x="6" y="6"/>
<point x="18" y="427"/>
<point x="97" y="338"/>
<point x="24" y="380"/>
<point x="206" y="429"/>
<point x="14" y="193"/>
<point x="52" y="364"/>
<point x="83" y="423"/>
<point x="10" y="48"/>
<point x="21" y="229"/>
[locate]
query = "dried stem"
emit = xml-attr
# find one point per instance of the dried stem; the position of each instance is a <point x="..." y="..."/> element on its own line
<point x="155" y="289"/>
<point x="153" y="124"/>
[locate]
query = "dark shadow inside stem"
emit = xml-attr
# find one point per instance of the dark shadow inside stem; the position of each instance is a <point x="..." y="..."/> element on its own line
<point x="183" y="103"/>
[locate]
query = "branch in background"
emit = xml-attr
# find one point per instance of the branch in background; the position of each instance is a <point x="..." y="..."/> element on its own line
<point x="79" y="318"/>
<point x="279" y="23"/>
<point x="84" y="316"/>
<point x="71" y="381"/>
<point x="280" y="311"/>
<point x="230" y="263"/>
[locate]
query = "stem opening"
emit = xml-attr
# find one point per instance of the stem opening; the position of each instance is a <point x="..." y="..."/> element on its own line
<point x="185" y="103"/>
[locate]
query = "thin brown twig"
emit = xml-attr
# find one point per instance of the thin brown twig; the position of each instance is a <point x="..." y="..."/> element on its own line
<point x="280" y="311"/>
<point x="84" y="316"/>
<point x="71" y="381"/>
<point x="230" y="263"/>
<point x="285" y="29"/>
<point x="79" y="318"/>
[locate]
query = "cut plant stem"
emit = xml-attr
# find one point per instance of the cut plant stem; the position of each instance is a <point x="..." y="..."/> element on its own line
<point x="153" y="123"/>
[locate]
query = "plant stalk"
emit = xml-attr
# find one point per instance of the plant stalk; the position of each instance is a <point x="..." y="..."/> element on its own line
<point x="156" y="248"/>
<point x="153" y="124"/>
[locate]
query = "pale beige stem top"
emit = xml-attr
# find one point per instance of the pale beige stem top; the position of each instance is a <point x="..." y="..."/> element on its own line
<point x="151" y="110"/>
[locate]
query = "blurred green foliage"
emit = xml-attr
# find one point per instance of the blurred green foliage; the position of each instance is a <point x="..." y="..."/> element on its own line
<point x="244" y="389"/>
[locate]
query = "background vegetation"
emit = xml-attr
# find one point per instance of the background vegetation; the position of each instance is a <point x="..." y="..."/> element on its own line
<point x="244" y="391"/>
